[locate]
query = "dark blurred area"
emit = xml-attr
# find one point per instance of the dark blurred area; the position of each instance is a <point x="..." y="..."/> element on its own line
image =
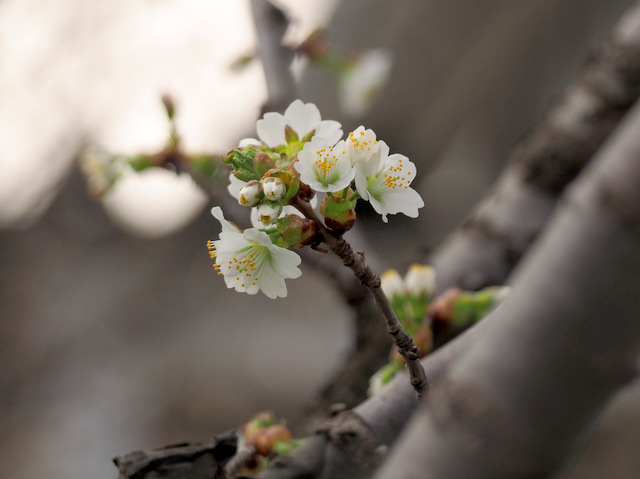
<point x="113" y="343"/>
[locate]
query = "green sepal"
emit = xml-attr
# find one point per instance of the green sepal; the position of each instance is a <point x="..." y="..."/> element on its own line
<point x="307" y="138"/>
<point x="241" y="159"/>
<point x="286" y="447"/>
<point x="290" y="135"/>
<point x="141" y="163"/>
<point x="262" y="162"/>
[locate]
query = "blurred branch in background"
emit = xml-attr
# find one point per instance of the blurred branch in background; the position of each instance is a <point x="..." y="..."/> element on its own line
<point x="492" y="240"/>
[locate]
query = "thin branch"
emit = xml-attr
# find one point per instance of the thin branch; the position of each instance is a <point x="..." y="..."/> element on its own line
<point x="357" y="264"/>
<point x="492" y="240"/>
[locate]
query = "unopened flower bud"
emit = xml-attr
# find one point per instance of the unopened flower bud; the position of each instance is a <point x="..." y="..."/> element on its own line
<point x="268" y="212"/>
<point x="267" y="438"/>
<point x="442" y="307"/>
<point x="420" y="279"/>
<point x="392" y="283"/>
<point x="290" y="178"/>
<point x="251" y="193"/>
<point x="274" y="188"/>
<point x="299" y="231"/>
<point x="262" y="163"/>
<point x="339" y="214"/>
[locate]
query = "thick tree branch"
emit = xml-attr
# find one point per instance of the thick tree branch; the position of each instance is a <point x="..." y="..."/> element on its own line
<point x="492" y="240"/>
<point x="555" y="352"/>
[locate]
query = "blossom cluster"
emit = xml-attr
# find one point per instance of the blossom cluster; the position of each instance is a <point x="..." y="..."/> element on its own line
<point x="296" y="155"/>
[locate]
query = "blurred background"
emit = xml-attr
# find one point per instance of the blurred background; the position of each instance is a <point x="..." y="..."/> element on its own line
<point x="116" y="333"/>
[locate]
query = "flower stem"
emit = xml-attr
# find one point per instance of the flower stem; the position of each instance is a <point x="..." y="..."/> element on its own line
<point x="355" y="261"/>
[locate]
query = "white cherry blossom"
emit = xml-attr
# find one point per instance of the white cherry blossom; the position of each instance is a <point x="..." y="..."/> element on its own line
<point x="324" y="167"/>
<point x="250" y="262"/>
<point x="385" y="182"/>
<point x="303" y="118"/>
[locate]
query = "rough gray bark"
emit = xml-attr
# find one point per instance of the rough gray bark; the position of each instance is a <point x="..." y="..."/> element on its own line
<point x="554" y="353"/>
<point x="489" y="244"/>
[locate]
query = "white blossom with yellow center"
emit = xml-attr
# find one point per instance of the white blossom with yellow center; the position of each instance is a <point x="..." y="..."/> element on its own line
<point x="324" y="167"/>
<point x="250" y="262"/>
<point x="385" y="182"/>
<point x="363" y="146"/>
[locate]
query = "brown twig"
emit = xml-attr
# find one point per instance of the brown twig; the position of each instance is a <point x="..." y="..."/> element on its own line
<point x="356" y="262"/>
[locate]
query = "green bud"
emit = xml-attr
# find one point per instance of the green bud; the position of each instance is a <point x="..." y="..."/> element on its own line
<point x="241" y="159"/>
<point x="339" y="213"/>
<point x="297" y="231"/>
<point x="262" y="163"/>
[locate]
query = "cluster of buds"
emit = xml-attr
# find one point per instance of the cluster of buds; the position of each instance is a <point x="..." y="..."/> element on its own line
<point x="278" y="175"/>
<point x="426" y="317"/>
<point x="264" y="437"/>
<point x="267" y="182"/>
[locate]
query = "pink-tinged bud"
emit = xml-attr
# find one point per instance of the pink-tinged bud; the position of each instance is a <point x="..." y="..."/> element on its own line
<point x="251" y="193"/>
<point x="299" y="231"/>
<point x="262" y="163"/>
<point x="442" y="307"/>
<point x="339" y="214"/>
<point x="274" y="188"/>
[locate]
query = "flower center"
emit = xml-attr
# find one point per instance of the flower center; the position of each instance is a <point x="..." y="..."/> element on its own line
<point x="360" y="143"/>
<point x="325" y="161"/>
<point x="245" y="265"/>
<point x="391" y="178"/>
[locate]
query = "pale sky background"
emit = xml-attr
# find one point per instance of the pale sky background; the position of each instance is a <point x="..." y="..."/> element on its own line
<point x="74" y="73"/>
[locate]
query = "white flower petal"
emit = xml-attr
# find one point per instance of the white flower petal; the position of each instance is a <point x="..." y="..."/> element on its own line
<point x="249" y="261"/>
<point x="330" y="130"/>
<point x="235" y="185"/>
<point x="248" y="142"/>
<point x="216" y="211"/>
<point x="302" y="117"/>
<point x="323" y="167"/>
<point x="271" y="129"/>
<point x="387" y="189"/>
